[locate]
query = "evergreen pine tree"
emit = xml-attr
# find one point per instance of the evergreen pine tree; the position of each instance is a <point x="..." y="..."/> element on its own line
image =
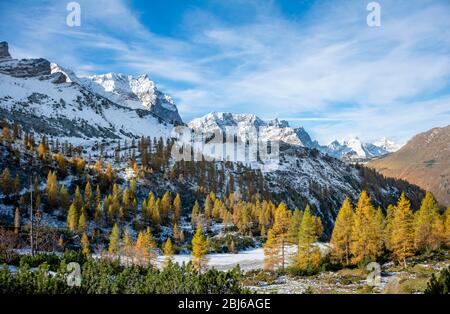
<point x="114" y="240"/>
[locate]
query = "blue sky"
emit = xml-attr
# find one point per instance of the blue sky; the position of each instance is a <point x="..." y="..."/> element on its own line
<point x="314" y="63"/>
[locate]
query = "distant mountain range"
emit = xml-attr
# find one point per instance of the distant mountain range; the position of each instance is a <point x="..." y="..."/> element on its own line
<point x="354" y="149"/>
<point x="348" y="150"/>
<point x="424" y="160"/>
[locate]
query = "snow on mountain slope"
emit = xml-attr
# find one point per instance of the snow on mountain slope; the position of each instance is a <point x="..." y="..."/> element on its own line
<point x="355" y="149"/>
<point x="274" y="130"/>
<point x="387" y="145"/>
<point x="136" y="92"/>
<point x="49" y="100"/>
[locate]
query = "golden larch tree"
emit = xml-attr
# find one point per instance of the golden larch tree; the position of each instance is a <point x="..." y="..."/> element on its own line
<point x="271" y="252"/>
<point x="402" y="240"/>
<point x="177" y="206"/>
<point x="199" y="249"/>
<point x="428" y="225"/>
<point x="72" y="218"/>
<point x="447" y="227"/>
<point x="85" y="244"/>
<point x="294" y="227"/>
<point x="387" y="234"/>
<point x="280" y="229"/>
<point x="366" y="238"/>
<point x="308" y="254"/>
<point x="342" y="233"/>
<point x="128" y="246"/>
<point x="168" y="252"/>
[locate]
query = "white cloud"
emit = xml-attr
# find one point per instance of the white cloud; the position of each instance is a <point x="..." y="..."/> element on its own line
<point x="327" y="67"/>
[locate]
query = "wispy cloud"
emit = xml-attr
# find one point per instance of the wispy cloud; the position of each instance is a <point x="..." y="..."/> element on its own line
<point x="326" y="68"/>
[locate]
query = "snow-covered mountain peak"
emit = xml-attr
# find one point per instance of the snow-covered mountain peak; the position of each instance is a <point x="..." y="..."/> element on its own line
<point x="387" y="144"/>
<point x="134" y="91"/>
<point x="220" y="120"/>
<point x="279" y="123"/>
<point x="274" y="130"/>
<point x="356" y="145"/>
<point x="354" y="148"/>
<point x="70" y="76"/>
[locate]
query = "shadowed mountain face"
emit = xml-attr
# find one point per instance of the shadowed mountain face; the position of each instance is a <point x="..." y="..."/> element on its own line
<point x="424" y="160"/>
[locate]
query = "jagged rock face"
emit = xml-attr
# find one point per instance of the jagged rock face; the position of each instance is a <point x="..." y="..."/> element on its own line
<point x="25" y="68"/>
<point x="21" y="68"/>
<point x="274" y="130"/>
<point x="137" y="92"/>
<point x="4" y="50"/>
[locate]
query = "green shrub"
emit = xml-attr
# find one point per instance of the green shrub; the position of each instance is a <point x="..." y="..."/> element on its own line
<point x="105" y="277"/>
<point x="439" y="285"/>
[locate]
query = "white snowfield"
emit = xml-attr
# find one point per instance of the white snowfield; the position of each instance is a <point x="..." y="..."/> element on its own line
<point x="247" y="260"/>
